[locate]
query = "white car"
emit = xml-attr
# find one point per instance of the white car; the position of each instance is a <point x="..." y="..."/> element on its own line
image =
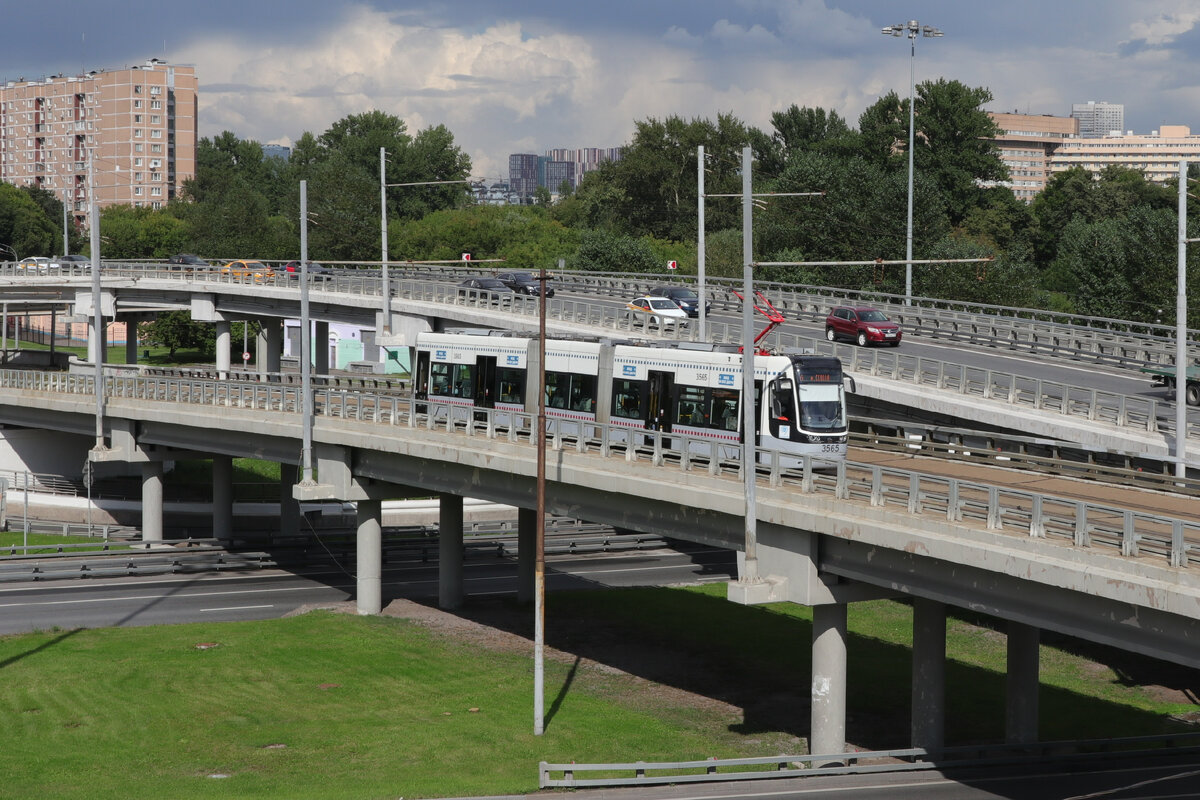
<point x="34" y="264"/>
<point x="662" y="312"/>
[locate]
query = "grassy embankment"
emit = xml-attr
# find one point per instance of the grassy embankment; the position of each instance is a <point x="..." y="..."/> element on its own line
<point x="327" y="705"/>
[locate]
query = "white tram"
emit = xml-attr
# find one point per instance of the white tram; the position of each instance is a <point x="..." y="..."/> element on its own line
<point x="672" y="387"/>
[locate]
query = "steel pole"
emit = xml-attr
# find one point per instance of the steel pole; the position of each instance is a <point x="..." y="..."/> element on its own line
<point x="749" y="439"/>
<point x="908" y="238"/>
<point x="1181" y="354"/>
<point x="306" y="476"/>
<point x="700" y="241"/>
<point x="385" y="287"/>
<point x="97" y="314"/>
<point x="539" y="556"/>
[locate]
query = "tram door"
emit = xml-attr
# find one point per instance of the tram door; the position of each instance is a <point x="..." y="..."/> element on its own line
<point x="658" y="403"/>
<point x="485" y="381"/>
<point x="421" y="384"/>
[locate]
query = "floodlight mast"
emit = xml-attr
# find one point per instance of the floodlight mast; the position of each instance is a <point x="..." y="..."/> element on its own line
<point x="912" y="29"/>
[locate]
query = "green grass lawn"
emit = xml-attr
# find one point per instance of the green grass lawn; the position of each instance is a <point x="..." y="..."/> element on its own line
<point x="325" y="705"/>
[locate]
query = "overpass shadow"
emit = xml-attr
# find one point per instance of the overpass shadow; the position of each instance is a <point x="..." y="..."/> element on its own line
<point x="758" y="659"/>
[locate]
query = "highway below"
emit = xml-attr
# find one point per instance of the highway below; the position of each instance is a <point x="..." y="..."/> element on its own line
<point x="273" y="593"/>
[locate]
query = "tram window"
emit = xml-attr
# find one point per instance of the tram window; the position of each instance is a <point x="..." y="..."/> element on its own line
<point x="690" y="407"/>
<point x="724" y="412"/>
<point x="783" y="400"/>
<point x="627" y="399"/>
<point x="583" y="393"/>
<point x="464" y="380"/>
<point x="557" y="386"/>
<point x="440" y="374"/>
<point x="512" y="385"/>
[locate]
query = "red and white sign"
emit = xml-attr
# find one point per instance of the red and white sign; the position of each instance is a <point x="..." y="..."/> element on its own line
<point x="466" y="256"/>
<point x="672" y="265"/>
<point x="245" y="356"/>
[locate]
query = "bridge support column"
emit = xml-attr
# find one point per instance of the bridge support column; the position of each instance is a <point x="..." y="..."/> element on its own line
<point x="152" y="501"/>
<point x="450" y="552"/>
<point x="827" y="734"/>
<point x="224" y="340"/>
<point x="526" y="544"/>
<point x="289" y="507"/>
<point x="370" y="557"/>
<point x="131" y="341"/>
<point x="222" y="506"/>
<point x="1021" y="684"/>
<point x="268" y="345"/>
<point x="929" y="674"/>
<point x="320" y="342"/>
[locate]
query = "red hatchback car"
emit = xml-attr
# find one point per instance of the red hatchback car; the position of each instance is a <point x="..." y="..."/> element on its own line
<point x="863" y="325"/>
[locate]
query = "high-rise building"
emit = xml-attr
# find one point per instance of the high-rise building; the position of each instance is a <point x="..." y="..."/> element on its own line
<point x="1099" y="119"/>
<point x="1026" y="145"/>
<point x="280" y="151"/>
<point x="523" y="174"/>
<point x="139" y="124"/>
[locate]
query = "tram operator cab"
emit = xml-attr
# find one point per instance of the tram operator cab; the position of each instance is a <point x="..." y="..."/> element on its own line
<point x="642" y="391"/>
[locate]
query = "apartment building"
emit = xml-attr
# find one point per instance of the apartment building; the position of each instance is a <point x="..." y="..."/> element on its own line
<point x="1027" y="145"/>
<point x="1157" y="154"/>
<point x="138" y="123"/>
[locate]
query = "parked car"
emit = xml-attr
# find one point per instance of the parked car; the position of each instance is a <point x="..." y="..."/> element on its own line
<point x="70" y="263"/>
<point x="315" y="271"/>
<point x="660" y="311"/>
<point x="524" y="283"/>
<point x="684" y="297"/>
<point x="488" y="289"/>
<point x="187" y="261"/>
<point x="248" y="271"/>
<point x="863" y="325"/>
<point x="38" y="264"/>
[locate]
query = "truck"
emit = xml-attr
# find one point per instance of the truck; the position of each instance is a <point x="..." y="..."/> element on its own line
<point x="1165" y="376"/>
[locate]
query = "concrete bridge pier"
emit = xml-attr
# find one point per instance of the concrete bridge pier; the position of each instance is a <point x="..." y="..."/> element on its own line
<point x="929" y="674"/>
<point x="152" y="501"/>
<point x="827" y="734"/>
<point x="289" y="506"/>
<point x="526" y="544"/>
<point x="224" y="340"/>
<point x="1021" y="684"/>
<point x="268" y="345"/>
<point x="320" y="343"/>
<point x="450" y="552"/>
<point x="369" y="567"/>
<point x="222" y="504"/>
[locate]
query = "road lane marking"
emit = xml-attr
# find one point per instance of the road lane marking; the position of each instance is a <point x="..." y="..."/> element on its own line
<point x="236" y="608"/>
<point x="166" y="596"/>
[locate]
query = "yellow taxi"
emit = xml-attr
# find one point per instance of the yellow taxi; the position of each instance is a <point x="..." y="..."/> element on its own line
<point x="248" y="271"/>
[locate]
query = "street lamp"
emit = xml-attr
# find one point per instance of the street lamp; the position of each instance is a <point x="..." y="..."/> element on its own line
<point x="912" y="29"/>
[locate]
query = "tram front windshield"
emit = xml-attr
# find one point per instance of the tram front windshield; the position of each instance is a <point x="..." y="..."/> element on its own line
<point x="821" y="407"/>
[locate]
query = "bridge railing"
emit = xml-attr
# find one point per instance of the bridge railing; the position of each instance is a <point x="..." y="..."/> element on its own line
<point x="1020" y="512"/>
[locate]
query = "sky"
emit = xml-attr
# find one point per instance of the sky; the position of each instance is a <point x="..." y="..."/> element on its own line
<point x="524" y="77"/>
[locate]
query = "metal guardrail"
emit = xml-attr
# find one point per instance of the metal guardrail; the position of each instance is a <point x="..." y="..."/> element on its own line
<point x="650" y="773"/>
<point x="1081" y="524"/>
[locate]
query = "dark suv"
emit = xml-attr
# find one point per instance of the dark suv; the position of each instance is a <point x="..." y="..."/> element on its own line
<point x="524" y="283"/>
<point x="188" y="262"/>
<point x="863" y="325"/>
<point x="684" y="297"/>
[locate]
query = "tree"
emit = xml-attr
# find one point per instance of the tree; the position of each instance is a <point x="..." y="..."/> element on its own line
<point x="654" y="184"/>
<point x="602" y="251"/>
<point x="527" y="237"/>
<point x="176" y="330"/>
<point x="24" y="226"/>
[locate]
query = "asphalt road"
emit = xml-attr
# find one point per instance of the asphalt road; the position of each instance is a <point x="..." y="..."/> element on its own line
<point x="269" y="594"/>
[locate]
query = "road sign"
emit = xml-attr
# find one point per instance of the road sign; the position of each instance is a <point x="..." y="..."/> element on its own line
<point x="87" y="473"/>
<point x="246" y="356"/>
<point x="672" y="265"/>
<point x="466" y="256"/>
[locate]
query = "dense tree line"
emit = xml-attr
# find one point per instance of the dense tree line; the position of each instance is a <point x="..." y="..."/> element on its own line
<point x="1099" y="245"/>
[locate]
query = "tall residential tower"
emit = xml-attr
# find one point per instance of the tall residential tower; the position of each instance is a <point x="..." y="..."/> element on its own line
<point x="139" y="123"/>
